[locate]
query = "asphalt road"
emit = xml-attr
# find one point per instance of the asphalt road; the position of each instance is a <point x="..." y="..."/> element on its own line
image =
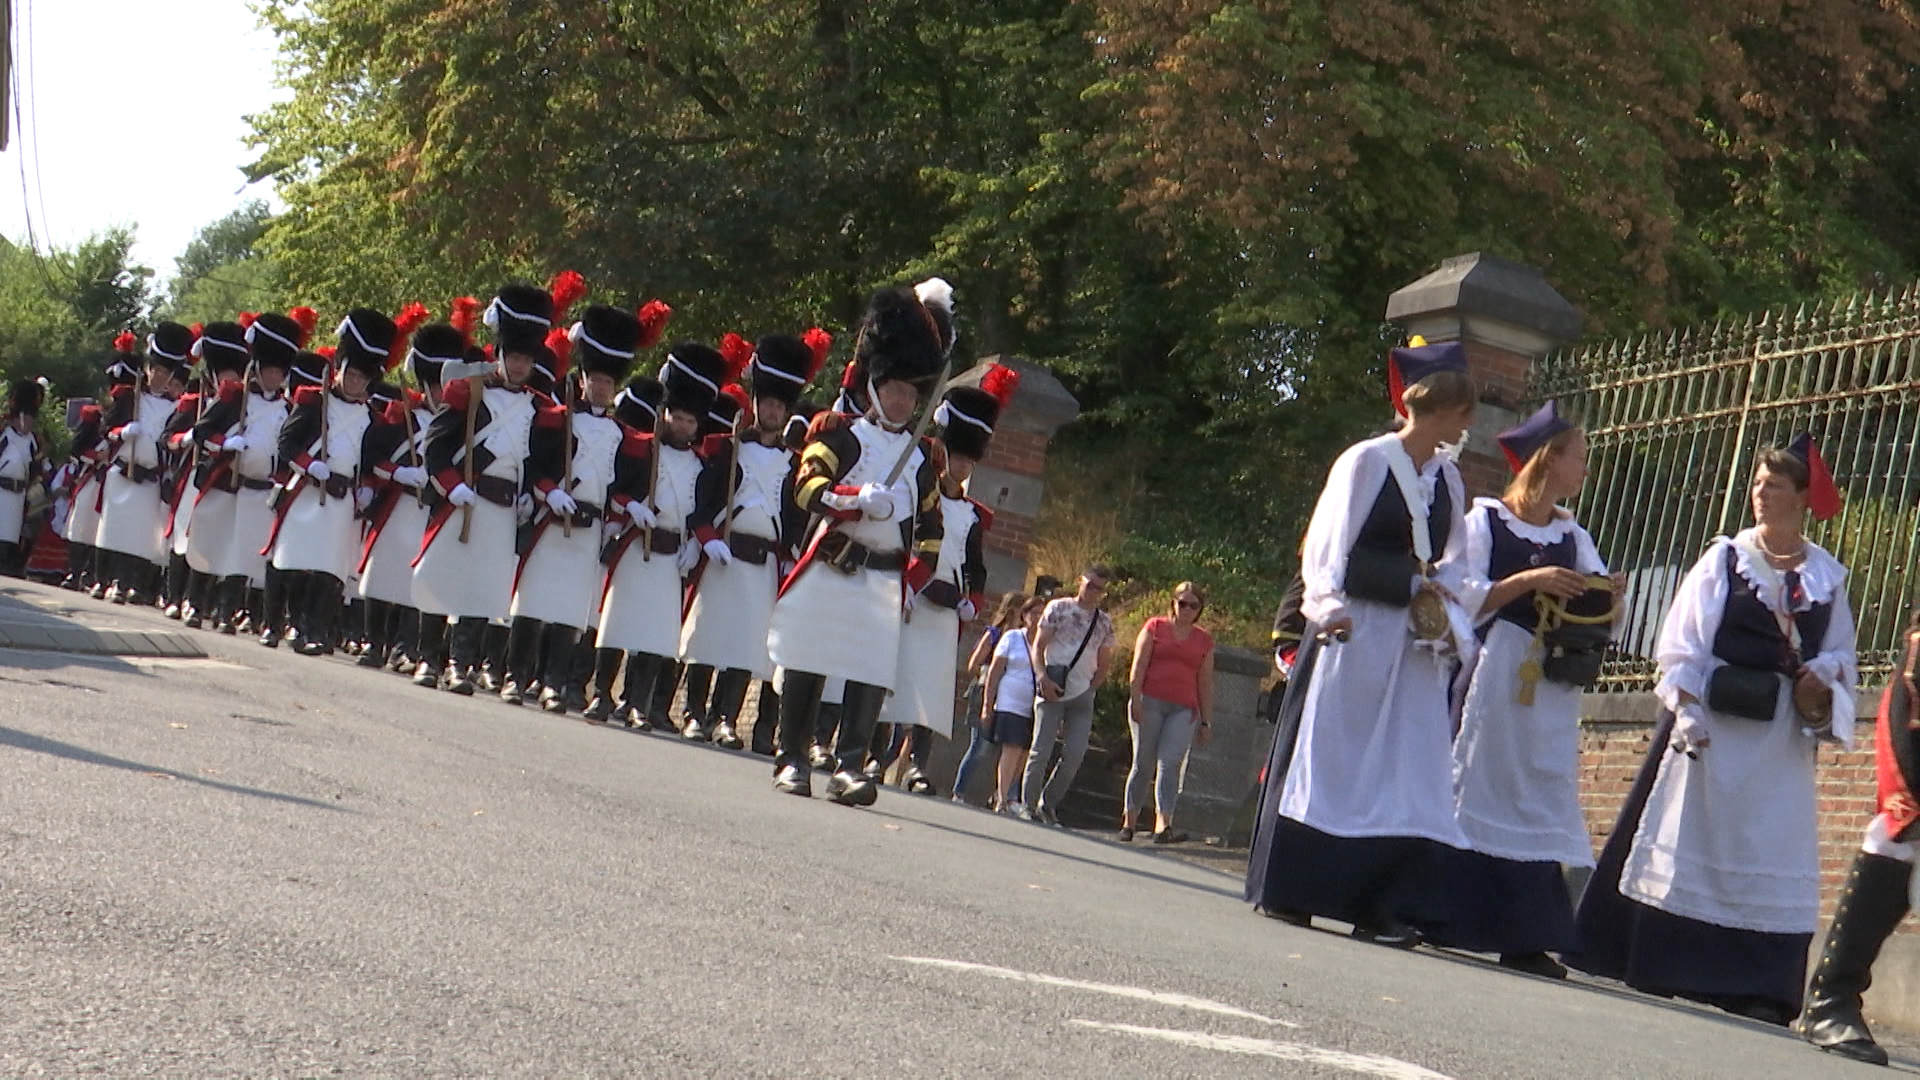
<point x="262" y="865"/>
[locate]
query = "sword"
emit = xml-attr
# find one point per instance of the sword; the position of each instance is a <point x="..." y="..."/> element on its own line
<point x="920" y="426"/>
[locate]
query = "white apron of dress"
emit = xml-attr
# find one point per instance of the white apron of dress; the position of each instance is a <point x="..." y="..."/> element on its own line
<point x="326" y="538"/>
<point x="133" y="515"/>
<point x="925" y="687"/>
<point x="560" y="581"/>
<point x="475" y="579"/>
<point x="641" y="612"/>
<point x="1731" y="837"/>
<point x="1516" y="768"/>
<point x="848" y="625"/>
<point x="727" y="623"/>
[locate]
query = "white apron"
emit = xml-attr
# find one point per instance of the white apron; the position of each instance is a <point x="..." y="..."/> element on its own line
<point x="83" y="521"/>
<point x="1732" y="837"/>
<point x="926" y="685"/>
<point x="16" y="461"/>
<point x="561" y="578"/>
<point x="209" y="528"/>
<point x="475" y="579"/>
<point x="389" y="572"/>
<point x="641" y="612"/>
<point x="325" y="538"/>
<point x="727" y="622"/>
<point x="848" y="625"/>
<point x="133" y="515"/>
<point x="239" y="551"/>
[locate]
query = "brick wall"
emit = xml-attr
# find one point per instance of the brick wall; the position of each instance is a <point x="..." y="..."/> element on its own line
<point x="1611" y="753"/>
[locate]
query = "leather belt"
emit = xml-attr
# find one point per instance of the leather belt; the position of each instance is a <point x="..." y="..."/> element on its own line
<point x="664" y="542"/>
<point x="751" y="549"/>
<point x="497" y="490"/>
<point x="585" y="516"/>
<point x="941" y="594"/>
<point x="15" y="486"/>
<point x="139" y="474"/>
<point x="251" y="484"/>
<point x="847" y="555"/>
<point x="339" y="487"/>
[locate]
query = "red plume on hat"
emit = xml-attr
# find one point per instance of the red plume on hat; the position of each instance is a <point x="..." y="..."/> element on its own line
<point x="1001" y="381"/>
<point x="819" y="342"/>
<point x="738" y="353"/>
<point x="654" y="316"/>
<point x="567" y="288"/>
<point x="325" y="352"/>
<point x="560" y="343"/>
<point x="125" y="342"/>
<point x="1823" y="495"/>
<point x="307" y="318"/>
<point x="739" y="395"/>
<point x="465" y="316"/>
<point x="411" y="318"/>
<point x="245" y="319"/>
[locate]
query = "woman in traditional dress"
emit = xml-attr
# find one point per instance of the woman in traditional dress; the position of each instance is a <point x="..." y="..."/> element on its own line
<point x="1709" y="887"/>
<point x="1358" y="799"/>
<point x="1516" y="760"/>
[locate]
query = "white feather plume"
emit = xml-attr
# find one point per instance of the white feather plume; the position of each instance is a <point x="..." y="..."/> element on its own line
<point x="936" y="293"/>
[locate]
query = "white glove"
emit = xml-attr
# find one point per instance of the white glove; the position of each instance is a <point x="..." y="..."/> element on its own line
<point x="611" y="528"/>
<point x="560" y="502"/>
<point x="132" y="430"/>
<point x="234" y="443"/>
<point x="642" y="514"/>
<point x="410" y="476"/>
<point x="876" y="502"/>
<point x="1691" y="732"/>
<point x="362" y="497"/>
<point x="967" y="610"/>
<point x="318" y="470"/>
<point x="461" y="495"/>
<point x="907" y="603"/>
<point x="688" y="558"/>
<point x="718" y="551"/>
<point x="523" y="507"/>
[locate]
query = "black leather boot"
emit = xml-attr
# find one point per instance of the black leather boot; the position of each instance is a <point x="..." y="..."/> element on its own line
<point x="859" y="719"/>
<point x="636" y="692"/>
<point x="766" y="719"/>
<point x="606" y="668"/>
<point x="522" y="659"/>
<point x="466" y="644"/>
<point x="1870" y="909"/>
<point x="556" y="666"/>
<point x="695" y="718"/>
<point x="799" y="706"/>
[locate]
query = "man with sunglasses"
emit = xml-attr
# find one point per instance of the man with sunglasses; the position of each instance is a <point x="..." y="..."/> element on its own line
<point x="1072" y="651"/>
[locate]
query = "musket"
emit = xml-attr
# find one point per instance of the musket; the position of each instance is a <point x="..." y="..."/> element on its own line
<point x="653" y="483"/>
<point x="566" y="451"/>
<point x="474" y="391"/>
<point x="326" y="391"/>
<point x="413" y="450"/>
<point x="733" y="482"/>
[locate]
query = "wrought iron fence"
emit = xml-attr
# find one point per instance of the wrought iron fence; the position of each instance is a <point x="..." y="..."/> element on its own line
<point x="1674" y="422"/>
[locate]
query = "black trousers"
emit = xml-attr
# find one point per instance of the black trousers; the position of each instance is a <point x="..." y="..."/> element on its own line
<point x="79" y="562"/>
<point x="431" y="642"/>
<point x="176" y="580"/>
<point x="645" y="673"/>
<point x="233" y="599"/>
<point x="467" y="643"/>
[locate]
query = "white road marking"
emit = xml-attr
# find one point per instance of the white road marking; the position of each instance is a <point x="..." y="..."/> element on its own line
<point x="1367" y="1064"/>
<point x="1183" y="1001"/>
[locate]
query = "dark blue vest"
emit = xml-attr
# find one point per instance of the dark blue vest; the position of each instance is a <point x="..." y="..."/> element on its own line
<point x="1751" y="637"/>
<point x="1513" y="555"/>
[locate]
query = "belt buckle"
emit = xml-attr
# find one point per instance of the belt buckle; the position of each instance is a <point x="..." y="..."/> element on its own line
<point x="838" y="550"/>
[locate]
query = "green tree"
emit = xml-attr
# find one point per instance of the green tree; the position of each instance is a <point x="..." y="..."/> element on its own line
<point x="222" y="272"/>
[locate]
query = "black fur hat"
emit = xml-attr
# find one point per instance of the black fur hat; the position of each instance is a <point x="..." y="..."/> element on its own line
<point x="276" y="340"/>
<point x="638" y="403"/>
<point x="366" y="337"/>
<point x="783" y="365"/>
<point x="906" y="334"/>
<point x="434" y="347"/>
<point x="519" y="317"/>
<point x="692" y="375"/>
<point x="223" y="348"/>
<point x="966" y="417"/>
<point x="25" y="396"/>
<point x="171" y="346"/>
<point x="307" y="369"/>
<point x="604" y="341"/>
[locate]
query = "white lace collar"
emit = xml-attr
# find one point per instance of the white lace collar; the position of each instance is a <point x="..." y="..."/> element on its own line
<point x="1821" y="575"/>
<point x="1552" y="532"/>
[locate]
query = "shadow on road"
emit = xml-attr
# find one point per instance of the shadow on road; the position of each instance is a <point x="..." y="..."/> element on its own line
<point x="22" y="740"/>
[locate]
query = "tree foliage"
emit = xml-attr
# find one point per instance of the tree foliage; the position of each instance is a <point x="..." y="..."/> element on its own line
<point x="1193" y="212"/>
<point x="60" y="310"/>
<point x="222" y="271"/>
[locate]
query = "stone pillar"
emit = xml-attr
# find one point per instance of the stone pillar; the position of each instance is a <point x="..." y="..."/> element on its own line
<point x="1010" y="482"/>
<point x="1508" y="317"/>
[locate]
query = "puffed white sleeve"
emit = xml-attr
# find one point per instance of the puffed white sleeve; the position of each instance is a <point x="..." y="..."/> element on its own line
<point x="1837" y="666"/>
<point x="1685" y="648"/>
<point x="1479" y="559"/>
<point x="1352" y="485"/>
<point x="1454" y="568"/>
<point x="1586" y="557"/>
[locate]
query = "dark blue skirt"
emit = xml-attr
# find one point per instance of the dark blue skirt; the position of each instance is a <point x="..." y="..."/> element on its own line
<point x="1496" y="905"/>
<point x="1661" y="953"/>
<point x="1359" y="880"/>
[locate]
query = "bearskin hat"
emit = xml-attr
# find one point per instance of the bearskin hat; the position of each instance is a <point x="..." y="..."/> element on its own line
<point x="222" y="347"/>
<point x="967" y="416"/>
<point x="783" y="365"/>
<point x="308" y="369"/>
<point x="693" y="375"/>
<point x="604" y="341"/>
<point x="520" y="317"/>
<point x="171" y="346"/>
<point x="366" y="337"/>
<point x="638" y="403"/>
<point x="25" y="396"/>
<point x="906" y="333"/>
<point x="276" y="339"/>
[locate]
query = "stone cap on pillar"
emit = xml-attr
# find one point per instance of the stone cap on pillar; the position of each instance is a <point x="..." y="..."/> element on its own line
<point x="1488" y="299"/>
<point x="1041" y="405"/>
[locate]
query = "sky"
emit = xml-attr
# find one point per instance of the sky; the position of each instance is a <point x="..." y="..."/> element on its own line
<point x="112" y="87"/>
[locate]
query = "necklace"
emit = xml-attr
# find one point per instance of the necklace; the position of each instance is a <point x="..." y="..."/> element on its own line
<point x="1760" y="538"/>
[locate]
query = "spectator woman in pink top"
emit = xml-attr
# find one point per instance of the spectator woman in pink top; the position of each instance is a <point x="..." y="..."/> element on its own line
<point x="1171" y="708"/>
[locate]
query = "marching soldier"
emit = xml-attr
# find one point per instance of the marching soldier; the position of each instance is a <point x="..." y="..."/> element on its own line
<point x="316" y="531"/>
<point x="90" y="455"/>
<point x="203" y="504"/>
<point x="575" y="447"/>
<point x="397" y="518"/>
<point x="739" y="504"/>
<point x="133" y="511"/>
<point x="650" y="550"/>
<point x="952" y="596"/>
<point x="476" y="461"/>
<point x="21" y="463"/>
<point x="869" y="486"/>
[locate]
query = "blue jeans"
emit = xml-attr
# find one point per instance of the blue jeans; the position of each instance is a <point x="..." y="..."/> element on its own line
<point x="980" y="749"/>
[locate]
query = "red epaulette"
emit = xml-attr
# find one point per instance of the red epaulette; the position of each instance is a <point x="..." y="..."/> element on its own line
<point x="713" y="444"/>
<point x="396" y="413"/>
<point x="416" y="399"/>
<point x="186" y="403"/>
<point x="827" y="420"/>
<point x="90" y="414"/>
<point x="124" y="390"/>
<point x="636" y="443"/>
<point x="548" y="415"/>
<point x="455" y="394"/>
<point x="308" y="395"/>
<point x="230" y="392"/>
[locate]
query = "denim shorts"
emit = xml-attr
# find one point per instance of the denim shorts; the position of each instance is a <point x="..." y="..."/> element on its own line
<point x="1012" y="729"/>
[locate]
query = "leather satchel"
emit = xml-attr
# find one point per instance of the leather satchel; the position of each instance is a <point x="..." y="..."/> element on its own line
<point x="1381" y="576"/>
<point x="1748" y="693"/>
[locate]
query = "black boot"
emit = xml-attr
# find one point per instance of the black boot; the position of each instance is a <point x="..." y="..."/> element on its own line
<point x="492" y="664"/>
<point x="729" y="697"/>
<point x="606" y="668"/>
<point x="201" y="601"/>
<point x="379" y="627"/>
<point x="321" y="627"/>
<point x="1870" y="909"/>
<point x="433" y="651"/>
<point x="466" y="644"/>
<point x="79" y="560"/>
<point x="636" y="692"/>
<point x="665" y="682"/>
<point x="403" y="637"/>
<point x="556" y="666"/>
<point x="694" y="717"/>
<point x="766" y="719"/>
<point x="270" y="618"/>
<point x="799" y="712"/>
<point x="522" y="659"/>
<point x="175" y="588"/>
<point x="233" y="599"/>
<point x="859" y="717"/>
